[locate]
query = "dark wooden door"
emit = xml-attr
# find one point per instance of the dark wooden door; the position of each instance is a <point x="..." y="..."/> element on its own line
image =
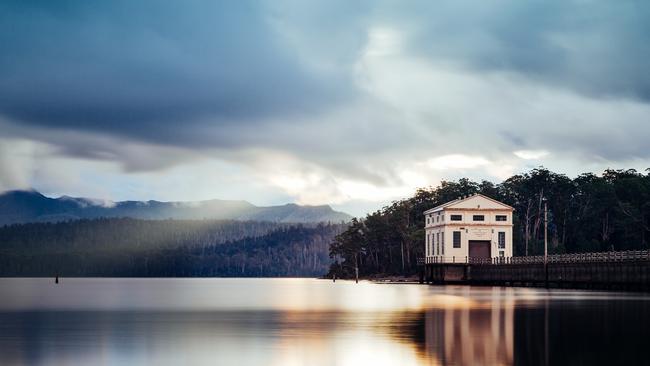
<point x="479" y="248"/>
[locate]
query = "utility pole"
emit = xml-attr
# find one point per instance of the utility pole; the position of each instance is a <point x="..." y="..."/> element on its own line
<point x="545" y="231"/>
<point x="546" y="242"/>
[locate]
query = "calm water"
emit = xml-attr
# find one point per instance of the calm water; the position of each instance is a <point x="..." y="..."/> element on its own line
<point x="313" y="322"/>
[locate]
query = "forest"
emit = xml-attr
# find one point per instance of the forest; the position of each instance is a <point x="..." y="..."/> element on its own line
<point x="124" y="247"/>
<point x="587" y="214"/>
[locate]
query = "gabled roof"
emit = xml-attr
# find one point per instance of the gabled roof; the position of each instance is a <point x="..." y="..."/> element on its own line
<point x="440" y="207"/>
<point x="460" y="201"/>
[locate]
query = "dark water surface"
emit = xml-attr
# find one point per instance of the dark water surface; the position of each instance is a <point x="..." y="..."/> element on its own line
<point x="314" y="322"/>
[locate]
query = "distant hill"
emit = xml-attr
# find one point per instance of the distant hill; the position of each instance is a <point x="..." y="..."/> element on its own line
<point x="31" y="206"/>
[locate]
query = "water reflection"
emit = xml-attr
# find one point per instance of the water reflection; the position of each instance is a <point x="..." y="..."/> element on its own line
<point x="310" y="322"/>
<point x="198" y="338"/>
<point x="471" y="335"/>
<point x="505" y="326"/>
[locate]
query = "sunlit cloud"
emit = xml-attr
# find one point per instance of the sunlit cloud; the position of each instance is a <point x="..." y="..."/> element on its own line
<point x="531" y="154"/>
<point x="457" y="161"/>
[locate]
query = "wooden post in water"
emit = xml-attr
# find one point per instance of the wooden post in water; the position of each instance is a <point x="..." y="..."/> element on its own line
<point x="56" y="279"/>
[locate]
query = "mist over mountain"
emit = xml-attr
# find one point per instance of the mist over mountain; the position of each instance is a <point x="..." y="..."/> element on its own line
<point x="31" y="206"/>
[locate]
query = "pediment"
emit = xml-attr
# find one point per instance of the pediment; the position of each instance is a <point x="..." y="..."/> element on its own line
<point x="478" y="201"/>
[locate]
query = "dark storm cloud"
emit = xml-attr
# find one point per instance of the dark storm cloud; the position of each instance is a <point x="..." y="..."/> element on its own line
<point x="285" y="75"/>
<point x="598" y="48"/>
<point x="153" y="70"/>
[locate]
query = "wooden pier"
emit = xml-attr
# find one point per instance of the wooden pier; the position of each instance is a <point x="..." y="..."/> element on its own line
<point x="627" y="270"/>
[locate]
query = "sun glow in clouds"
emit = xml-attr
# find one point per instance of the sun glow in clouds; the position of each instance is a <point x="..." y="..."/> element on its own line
<point x="531" y="154"/>
<point x="457" y="161"/>
<point x="383" y="42"/>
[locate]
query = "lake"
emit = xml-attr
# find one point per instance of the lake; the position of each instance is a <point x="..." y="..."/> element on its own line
<point x="313" y="322"/>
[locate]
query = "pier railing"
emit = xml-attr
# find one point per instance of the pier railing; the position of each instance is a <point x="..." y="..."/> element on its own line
<point x="620" y="256"/>
<point x="613" y="256"/>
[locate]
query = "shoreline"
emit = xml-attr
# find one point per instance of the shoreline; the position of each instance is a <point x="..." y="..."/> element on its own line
<point x="384" y="279"/>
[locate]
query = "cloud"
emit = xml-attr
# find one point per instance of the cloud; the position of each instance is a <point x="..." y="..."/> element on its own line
<point x="471" y="112"/>
<point x="332" y="102"/>
<point x="531" y="154"/>
<point x="153" y="71"/>
<point x="16" y="162"/>
<point x="457" y="161"/>
<point x="595" y="49"/>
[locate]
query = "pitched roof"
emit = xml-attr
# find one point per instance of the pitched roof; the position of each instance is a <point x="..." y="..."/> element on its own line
<point x="460" y="200"/>
<point x="440" y="207"/>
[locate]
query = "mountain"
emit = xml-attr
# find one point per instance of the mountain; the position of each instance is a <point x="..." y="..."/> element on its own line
<point x="31" y="206"/>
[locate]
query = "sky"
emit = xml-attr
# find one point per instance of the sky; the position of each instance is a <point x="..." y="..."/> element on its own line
<point x="347" y="103"/>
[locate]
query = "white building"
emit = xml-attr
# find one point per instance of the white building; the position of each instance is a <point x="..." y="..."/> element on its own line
<point x="474" y="227"/>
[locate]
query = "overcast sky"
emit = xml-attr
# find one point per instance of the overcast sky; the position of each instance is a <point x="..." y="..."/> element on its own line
<point x="348" y="103"/>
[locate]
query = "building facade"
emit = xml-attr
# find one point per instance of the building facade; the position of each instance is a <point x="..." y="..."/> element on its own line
<point x="471" y="227"/>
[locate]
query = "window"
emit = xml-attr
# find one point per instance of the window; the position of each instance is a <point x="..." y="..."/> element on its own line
<point x="427" y="246"/>
<point x="437" y="218"/>
<point x="456" y="239"/>
<point x="438" y="241"/>
<point x="456" y="217"/>
<point x="427" y="220"/>
<point x="478" y="218"/>
<point x="501" y="253"/>
<point x="502" y="240"/>
<point x="442" y="242"/>
<point x="502" y="218"/>
<point x="438" y="249"/>
<point x="433" y="243"/>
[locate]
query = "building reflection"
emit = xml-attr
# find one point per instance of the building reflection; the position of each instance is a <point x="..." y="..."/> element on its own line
<point x="470" y="333"/>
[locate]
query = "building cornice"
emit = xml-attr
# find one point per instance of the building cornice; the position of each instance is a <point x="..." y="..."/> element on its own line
<point x="445" y="206"/>
<point x="469" y="225"/>
<point x="456" y="209"/>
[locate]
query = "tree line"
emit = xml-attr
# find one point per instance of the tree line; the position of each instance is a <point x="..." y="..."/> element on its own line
<point x="587" y="214"/>
<point x="123" y="247"/>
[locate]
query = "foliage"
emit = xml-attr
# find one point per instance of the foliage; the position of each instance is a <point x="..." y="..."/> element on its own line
<point x="588" y="213"/>
<point x="153" y="248"/>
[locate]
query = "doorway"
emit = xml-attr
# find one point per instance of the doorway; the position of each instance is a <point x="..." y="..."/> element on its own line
<point x="479" y="249"/>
